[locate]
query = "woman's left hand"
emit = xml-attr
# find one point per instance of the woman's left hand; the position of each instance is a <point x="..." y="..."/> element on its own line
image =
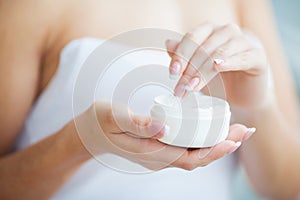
<point x="227" y="51"/>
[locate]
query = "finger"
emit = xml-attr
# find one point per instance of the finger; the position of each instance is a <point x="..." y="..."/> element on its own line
<point x="146" y="127"/>
<point x="187" y="46"/>
<point x="251" y="61"/>
<point x="220" y="39"/>
<point x="220" y="36"/>
<point x="129" y="144"/>
<point x="171" y="46"/>
<point x="218" y="151"/>
<point x="238" y="132"/>
<point x="191" y="76"/>
<point x="233" y="46"/>
<point x="143" y="150"/>
<point x="124" y="120"/>
<point x="202" y="157"/>
<point x="153" y="165"/>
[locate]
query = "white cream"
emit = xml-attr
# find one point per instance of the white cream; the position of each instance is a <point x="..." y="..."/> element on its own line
<point x="195" y="121"/>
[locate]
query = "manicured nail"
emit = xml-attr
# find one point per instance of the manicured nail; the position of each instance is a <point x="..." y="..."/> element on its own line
<point x="249" y="133"/>
<point x="179" y="90"/>
<point x="234" y="147"/>
<point x="164" y="132"/>
<point x="175" y="68"/>
<point x="167" y="130"/>
<point x="238" y="144"/>
<point x="218" y="61"/>
<point x="158" y="136"/>
<point x="192" y="84"/>
<point x="156" y="127"/>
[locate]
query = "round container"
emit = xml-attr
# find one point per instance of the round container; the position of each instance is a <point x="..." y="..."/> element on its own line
<point x="196" y="121"/>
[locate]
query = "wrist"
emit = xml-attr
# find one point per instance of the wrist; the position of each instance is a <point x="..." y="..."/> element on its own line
<point x="72" y="144"/>
<point x="250" y="116"/>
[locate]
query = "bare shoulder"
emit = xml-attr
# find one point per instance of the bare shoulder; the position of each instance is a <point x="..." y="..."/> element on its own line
<point x="30" y="32"/>
<point x="29" y="19"/>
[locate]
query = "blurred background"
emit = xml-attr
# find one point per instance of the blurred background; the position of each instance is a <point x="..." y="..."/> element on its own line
<point x="287" y="17"/>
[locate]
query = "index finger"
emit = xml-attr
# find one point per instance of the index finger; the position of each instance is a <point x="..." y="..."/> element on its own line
<point x="187" y="46"/>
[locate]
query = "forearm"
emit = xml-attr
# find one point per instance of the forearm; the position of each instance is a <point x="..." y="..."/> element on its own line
<point x="38" y="171"/>
<point x="270" y="156"/>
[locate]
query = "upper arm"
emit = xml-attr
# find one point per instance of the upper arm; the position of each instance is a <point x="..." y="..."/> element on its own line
<point x="21" y="36"/>
<point x="257" y="16"/>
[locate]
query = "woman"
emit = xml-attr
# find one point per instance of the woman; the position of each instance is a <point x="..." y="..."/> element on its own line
<point x="33" y="35"/>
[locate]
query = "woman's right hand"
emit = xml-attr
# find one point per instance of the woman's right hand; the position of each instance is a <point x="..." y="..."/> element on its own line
<point x="113" y="128"/>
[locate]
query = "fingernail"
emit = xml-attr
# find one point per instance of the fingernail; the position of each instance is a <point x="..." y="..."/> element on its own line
<point x="204" y="152"/>
<point x="175" y="68"/>
<point x="218" y="61"/>
<point x="179" y="90"/>
<point x="158" y="136"/>
<point x="164" y="132"/>
<point x="234" y="147"/>
<point x="249" y="133"/>
<point x="156" y="127"/>
<point x="192" y="84"/>
<point x="167" y="130"/>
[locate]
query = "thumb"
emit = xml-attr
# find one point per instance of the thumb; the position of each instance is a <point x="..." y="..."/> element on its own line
<point x="136" y="125"/>
<point x="146" y="127"/>
<point x="171" y="46"/>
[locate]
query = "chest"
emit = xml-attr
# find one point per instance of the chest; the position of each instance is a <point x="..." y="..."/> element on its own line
<point x="116" y="16"/>
<point x="104" y="19"/>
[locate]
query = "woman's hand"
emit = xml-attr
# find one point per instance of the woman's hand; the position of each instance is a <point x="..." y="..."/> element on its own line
<point x="225" y="50"/>
<point x="113" y="128"/>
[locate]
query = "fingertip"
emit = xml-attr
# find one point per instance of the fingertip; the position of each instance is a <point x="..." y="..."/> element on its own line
<point x="163" y="132"/>
<point x="188" y="88"/>
<point x="249" y="133"/>
<point x="220" y="65"/>
<point x="155" y="127"/>
<point x="170" y="42"/>
<point x="175" y="68"/>
<point x="158" y="136"/>
<point x="241" y="127"/>
<point x="233" y="146"/>
<point x="158" y="129"/>
<point x="192" y="84"/>
<point x="218" y="151"/>
<point x="237" y="132"/>
<point x="252" y="130"/>
<point x="171" y="46"/>
<point x="238" y="144"/>
<point x="166" y="130"/>
<point x="218" y="61"/>
<point x="179" y="90"/>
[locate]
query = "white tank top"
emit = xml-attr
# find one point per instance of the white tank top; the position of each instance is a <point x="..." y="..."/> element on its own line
<point x="53" y="110"/>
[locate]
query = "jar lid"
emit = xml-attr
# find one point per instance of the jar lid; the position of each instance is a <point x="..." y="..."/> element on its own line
<point x="194" y="104"/>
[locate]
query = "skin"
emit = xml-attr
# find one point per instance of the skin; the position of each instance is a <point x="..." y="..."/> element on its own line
<point x="29" y="56"/>
<point x="262" y="107"/>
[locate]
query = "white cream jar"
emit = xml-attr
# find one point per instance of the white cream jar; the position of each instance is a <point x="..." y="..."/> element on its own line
<point x="196" y="121"/>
